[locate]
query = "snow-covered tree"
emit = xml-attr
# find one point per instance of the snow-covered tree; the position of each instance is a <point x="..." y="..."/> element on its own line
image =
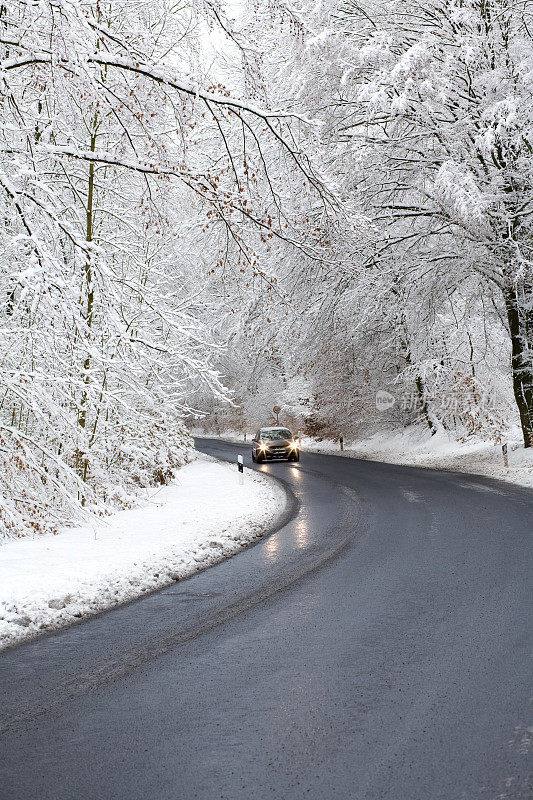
<point x="426" y="113"/>
<point x="116" y="135"/>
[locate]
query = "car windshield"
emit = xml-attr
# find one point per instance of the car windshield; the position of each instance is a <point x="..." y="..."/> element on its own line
<point x="280" y="433"/>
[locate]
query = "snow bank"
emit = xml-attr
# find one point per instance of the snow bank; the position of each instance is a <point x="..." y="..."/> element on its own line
<point x="201" y="518"/>
<point x="415" y="446"/>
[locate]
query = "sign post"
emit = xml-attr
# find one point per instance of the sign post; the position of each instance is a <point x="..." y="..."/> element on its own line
<point x="240" y="466"/>
<point x="276" y="411"/>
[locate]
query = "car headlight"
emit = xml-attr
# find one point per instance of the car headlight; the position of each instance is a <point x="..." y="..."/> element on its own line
<point x="263" y="446"/>
<point x="294" y="445"/>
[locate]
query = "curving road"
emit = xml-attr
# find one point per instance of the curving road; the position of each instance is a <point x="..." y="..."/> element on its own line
<point x="376" y="646"/>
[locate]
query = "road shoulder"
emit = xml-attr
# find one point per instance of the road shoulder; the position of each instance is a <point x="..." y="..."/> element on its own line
<point x="203" y="517"/>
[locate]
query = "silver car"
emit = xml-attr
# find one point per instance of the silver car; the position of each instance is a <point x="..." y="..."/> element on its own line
<point x="278" y="442"/>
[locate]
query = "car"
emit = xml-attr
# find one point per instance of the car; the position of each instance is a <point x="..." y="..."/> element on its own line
<point x="276" y="442"/>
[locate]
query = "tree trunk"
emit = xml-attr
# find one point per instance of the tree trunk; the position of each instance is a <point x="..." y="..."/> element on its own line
<point x="83" y="466"/>
<point x="421" y="389"/>
<point x="517" y="300"/>
<point x="426" y="413"/>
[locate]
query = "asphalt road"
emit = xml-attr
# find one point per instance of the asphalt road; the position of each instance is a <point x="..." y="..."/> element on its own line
<point x="375" y="646"/>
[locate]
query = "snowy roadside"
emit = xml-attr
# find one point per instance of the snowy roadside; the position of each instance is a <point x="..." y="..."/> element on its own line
<point x="204" y="516"/>
<point x="417" y="448"/>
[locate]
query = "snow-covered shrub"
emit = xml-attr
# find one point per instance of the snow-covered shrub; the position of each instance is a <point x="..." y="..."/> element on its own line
<point x="151" y="457"/>
<point x="35" y="490"/>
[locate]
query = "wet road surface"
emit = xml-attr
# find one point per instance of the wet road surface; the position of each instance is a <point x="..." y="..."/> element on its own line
<point x="376" y="646"/>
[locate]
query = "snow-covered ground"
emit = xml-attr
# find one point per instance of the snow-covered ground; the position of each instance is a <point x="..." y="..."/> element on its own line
<point x="415" y="446"/>
<point x="201" y="518"/>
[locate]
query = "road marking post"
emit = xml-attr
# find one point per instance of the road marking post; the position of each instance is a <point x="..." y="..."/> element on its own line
<point x="505" y="456"/>
<point x="341" y="440"/>
<point x="240" y="466"/>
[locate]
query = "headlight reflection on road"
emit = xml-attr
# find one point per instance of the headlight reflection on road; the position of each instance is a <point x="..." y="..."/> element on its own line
<point x="274" y="546"/>
<point x="302" y="530"/>
<point x="301" y="522"/>
<point x="300" y="525"/>
<point x="295" y="473"/>
<point x="271" y="547"/>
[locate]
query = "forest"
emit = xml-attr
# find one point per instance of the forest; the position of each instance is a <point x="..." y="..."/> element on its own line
<point x="207" y="208"/>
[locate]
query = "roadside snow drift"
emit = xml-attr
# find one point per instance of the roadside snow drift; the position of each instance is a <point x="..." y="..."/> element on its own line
<point x="203" y="517"/>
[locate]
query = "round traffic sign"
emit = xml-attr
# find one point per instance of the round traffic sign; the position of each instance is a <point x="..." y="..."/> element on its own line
<point x="276" y="409"/>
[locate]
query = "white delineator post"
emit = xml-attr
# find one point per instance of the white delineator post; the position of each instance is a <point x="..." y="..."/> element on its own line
<point x="505" y="456"/>
<point x="240" y="466"/>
